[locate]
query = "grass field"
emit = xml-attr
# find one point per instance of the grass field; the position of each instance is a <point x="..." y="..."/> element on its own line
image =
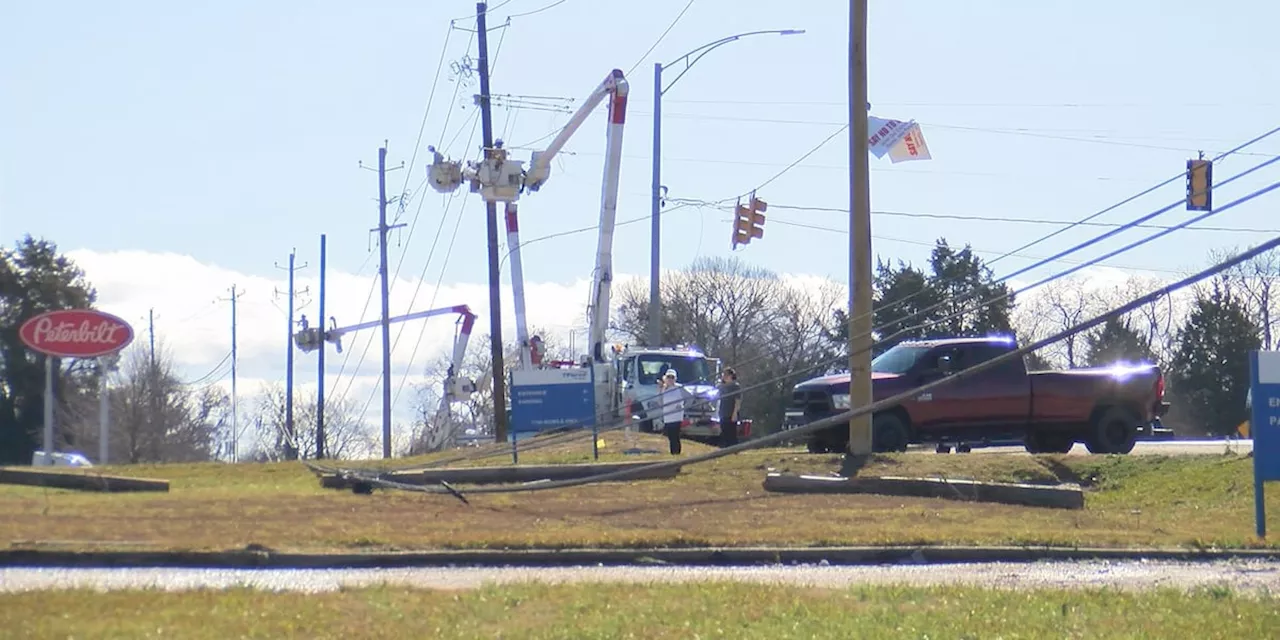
<point x="702" y="610"/>
<point x="1191" y="501"/>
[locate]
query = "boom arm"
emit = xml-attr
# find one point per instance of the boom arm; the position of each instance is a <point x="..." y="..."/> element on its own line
<point x="540" y="165"/>
<point x="602" y="280"/>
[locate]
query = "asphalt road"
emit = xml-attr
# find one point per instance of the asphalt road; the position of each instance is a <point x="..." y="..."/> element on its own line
<point x="1153" y="447"/>
<point x="1241" y="575"/>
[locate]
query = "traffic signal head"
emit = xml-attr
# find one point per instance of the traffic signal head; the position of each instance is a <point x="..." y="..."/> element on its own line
<point x="1199" y="185"/>
<point x="748" y="222"/>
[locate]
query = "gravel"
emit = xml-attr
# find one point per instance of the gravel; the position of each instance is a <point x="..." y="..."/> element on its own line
<point x="1240" y="575"/>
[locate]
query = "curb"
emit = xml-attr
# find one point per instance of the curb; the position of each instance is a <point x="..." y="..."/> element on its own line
<point x="726" y="556"/>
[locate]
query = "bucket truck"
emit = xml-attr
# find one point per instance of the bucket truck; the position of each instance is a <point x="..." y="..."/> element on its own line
<point x="457" y="388"/>
<point x="607" y="383"/>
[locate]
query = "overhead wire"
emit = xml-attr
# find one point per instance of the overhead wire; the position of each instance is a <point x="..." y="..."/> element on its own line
<point x="375" y="479"/>
<point x="536" y="11"/>
<point x="1013" y="220"/>
<point x="661" y="37"/>
<point x="439" y="229"/>
<point x="210" y="375"/>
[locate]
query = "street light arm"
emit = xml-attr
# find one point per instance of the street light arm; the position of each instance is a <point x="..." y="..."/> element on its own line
<point x="706" y="48"/>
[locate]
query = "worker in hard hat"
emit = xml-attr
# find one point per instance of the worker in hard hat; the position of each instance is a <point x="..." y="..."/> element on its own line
<point x="671" y="400"/>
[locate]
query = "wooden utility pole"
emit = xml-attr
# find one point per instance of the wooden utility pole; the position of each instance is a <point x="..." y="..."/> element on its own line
<point x="491" y="220"/>
<point x="860" y="299"/>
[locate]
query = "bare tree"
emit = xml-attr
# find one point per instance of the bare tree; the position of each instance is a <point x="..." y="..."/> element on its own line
<point x="1254" y="283"/>
<point x="346" y="436"/>
<point x="1056" y="306"/>
<point x="153" y="415"/>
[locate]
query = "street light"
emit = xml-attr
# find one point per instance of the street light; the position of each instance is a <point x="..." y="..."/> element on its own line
<point x="689" y="59"/>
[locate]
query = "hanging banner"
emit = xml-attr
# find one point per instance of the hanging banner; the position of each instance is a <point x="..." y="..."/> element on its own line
<point x="911" y="147"/>
<point x="884" y="134"/>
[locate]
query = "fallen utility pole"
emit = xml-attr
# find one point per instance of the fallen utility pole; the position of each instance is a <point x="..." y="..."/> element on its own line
<point x="491" y="222"/>
<point x="860" y="296"/>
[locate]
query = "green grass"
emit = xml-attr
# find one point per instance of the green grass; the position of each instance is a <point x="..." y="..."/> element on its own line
<point x="700" y="610"/>
<point x="1186" y="501"/>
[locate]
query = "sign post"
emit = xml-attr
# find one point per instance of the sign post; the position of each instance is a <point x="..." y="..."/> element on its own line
<point x="70" y="333"/>
<point x="1265" y="426"/>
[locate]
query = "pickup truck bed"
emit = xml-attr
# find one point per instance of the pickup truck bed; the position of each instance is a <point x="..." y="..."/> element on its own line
<point x="1105" y="408"/>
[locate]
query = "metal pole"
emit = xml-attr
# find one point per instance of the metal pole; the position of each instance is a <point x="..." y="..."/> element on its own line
<point x="320" y="368"/>
<point x="235" y="426"/>
<point x="655" y="272"/>
<point x="104" y="408"/>
<point x="290" y="447"/>
<point x="860" y="318"/>
<point x="491" y="220"/>
<point x="386" y="314"/>
<point x="48" y="409"/>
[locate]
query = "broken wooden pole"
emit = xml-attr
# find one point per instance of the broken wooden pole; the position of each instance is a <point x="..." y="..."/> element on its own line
<point x="80" y="481"/>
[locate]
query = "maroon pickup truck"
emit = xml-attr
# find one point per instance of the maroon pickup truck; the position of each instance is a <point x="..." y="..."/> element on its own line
<point x="1049" y="411"/>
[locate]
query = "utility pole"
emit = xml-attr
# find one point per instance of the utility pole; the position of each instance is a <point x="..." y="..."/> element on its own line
<point x="491" y="219"/>
<point x="235" y="427"/>
<point x="860" y="301"/>
<point x="382" y="230"/>
<point x="291" y="441"/>
<point x="655" y="222"/>
<point x="320" y="366"/>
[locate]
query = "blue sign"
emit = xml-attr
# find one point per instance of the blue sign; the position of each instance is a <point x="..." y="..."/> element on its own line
<point x="1264" y="426"/>
<point x="549" y="398"/>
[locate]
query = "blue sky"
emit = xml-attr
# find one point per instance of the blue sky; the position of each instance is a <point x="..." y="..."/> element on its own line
<point x="230" y="132"/>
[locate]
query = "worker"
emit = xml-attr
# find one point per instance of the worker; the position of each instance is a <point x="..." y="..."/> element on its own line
<point x="730" y="401"/>
<point x="671" y="399"/>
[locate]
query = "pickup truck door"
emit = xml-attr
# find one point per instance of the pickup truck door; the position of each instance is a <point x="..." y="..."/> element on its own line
<point x="998" y="397"/>
<point x="1001" y="396"/>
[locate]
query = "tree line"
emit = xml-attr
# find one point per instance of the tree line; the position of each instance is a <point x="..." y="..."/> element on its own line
<point x="775" y="330"/>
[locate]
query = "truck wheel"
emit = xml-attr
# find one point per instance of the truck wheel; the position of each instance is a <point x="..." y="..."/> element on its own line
<point x="889" y="433"/>
<point x="1115" y="431"/>
<point x="1039" y="442"/>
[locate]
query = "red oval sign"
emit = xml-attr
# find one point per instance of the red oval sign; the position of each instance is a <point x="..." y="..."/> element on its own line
<point x="76" y="333"/>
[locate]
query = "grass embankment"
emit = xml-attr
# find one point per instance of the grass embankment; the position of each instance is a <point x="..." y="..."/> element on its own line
<point x="1132" y="501"/>
<point x="701" y="610"/>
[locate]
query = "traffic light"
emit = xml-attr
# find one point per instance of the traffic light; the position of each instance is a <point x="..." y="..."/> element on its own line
<point x="1200" y="185"/>
<point x="748" y="221"/>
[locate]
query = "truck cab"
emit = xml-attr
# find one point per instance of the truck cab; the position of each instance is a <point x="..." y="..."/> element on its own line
<point x="640" y="369"/>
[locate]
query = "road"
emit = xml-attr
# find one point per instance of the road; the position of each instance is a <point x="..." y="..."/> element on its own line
<point x="1153" y="447"/>
<point x="1241" y="575"/>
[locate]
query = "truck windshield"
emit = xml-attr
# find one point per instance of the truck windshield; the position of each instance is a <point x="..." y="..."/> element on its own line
<point x="689" y="369"/>
<point x="897" y="360"/>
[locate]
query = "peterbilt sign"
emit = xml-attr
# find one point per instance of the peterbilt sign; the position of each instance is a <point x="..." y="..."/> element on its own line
<point x="76" y="333"/>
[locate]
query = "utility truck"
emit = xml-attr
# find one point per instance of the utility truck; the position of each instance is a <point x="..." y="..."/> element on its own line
<point x="610" y="384"/>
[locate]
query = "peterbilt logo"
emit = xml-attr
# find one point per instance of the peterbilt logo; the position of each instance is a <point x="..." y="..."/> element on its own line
<point x="76" y="333"/>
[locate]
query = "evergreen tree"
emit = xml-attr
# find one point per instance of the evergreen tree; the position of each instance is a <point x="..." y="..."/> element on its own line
<point x="1116" y="342"/>
<point x="950" y="300"/>
<point x="34" y="278"/>
<point x="1210" y="369"/>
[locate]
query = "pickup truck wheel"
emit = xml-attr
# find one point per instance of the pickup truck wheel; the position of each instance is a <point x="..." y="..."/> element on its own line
<point x="1115" y="431"/>
<point x="889" y="433"/>
<point x="1039" y="442"/>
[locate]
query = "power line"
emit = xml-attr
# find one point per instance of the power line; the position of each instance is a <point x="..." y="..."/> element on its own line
<point x="426" y="111"/>
<point x="923" y="243"/>
<point x="661" y="37"/>
<point x="529" y="13"/>
<point x="987" y="105"/>
<point x="207" y="376"/>
<point x="980" y="218"/>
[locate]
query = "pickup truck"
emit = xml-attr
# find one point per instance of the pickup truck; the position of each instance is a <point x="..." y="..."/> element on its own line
<point x="1049" y="411"/>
